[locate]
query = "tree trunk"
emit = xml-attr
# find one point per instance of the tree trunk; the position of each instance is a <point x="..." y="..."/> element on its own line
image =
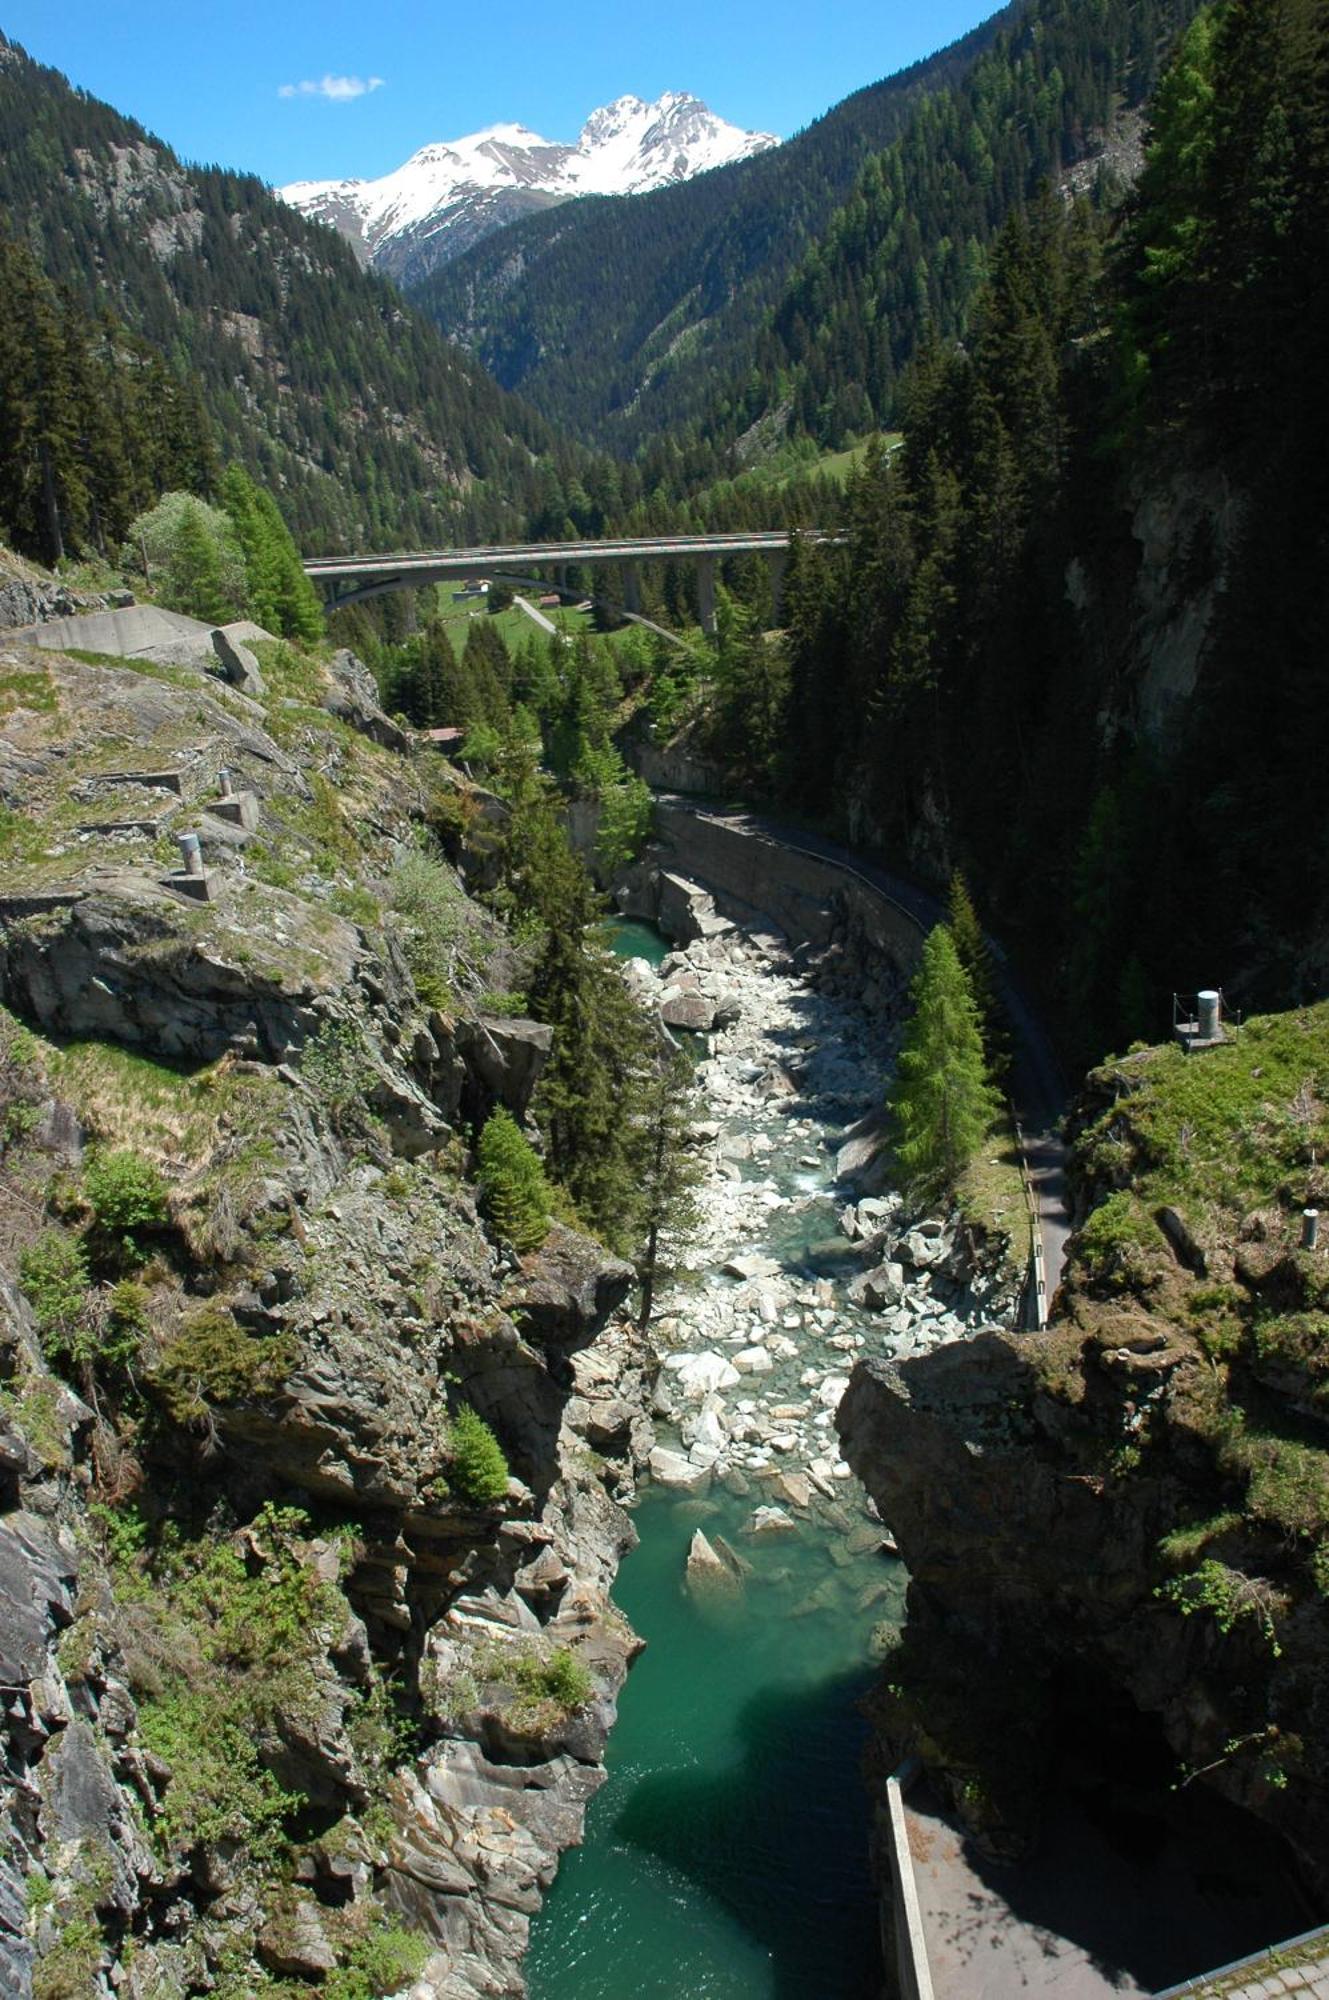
<point x="55" y="540"/>
<point x="648" y="1278"/>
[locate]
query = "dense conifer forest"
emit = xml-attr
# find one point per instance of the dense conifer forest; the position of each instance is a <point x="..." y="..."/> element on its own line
<point x="798" y="283"/>
<point x="966" y="682"/>
<point x="973" y="678"/>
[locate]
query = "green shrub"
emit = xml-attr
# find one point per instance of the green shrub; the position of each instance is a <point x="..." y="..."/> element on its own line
<point x="479" y="1470"/>
<point x="561" y="1678"/>
<point x="53" y="1272"/>
<point x="194" y="557"/>
<point x="513" y="1191"/>
<point x="126" y="1194"/>
<point x="218" y="1790"/>
<point x="1115" y="1233"/>
<point x="124" y="1532"/>
<point x="1227" y="1595"/>
<point x="68" y="1969"/>
<point x="426" y="896"/>
<point x="213" y="1362"/>
<point x="338" y="1066"/>
<point x="230" y="1650"/>
<point x="382" y="1962"/>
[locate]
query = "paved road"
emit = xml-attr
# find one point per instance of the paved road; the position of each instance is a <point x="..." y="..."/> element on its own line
<point x="536" y="617"/>
<point x="1038" y="1088"/>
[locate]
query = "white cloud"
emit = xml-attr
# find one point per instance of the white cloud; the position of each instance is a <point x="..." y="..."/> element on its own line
<point x="337" y="89"/>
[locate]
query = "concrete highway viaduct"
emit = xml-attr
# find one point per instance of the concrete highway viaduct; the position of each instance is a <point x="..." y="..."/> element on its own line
<point x="347" y="580"/>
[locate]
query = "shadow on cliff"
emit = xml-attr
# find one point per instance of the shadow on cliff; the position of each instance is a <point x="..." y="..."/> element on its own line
<point x="780" y="1838"/>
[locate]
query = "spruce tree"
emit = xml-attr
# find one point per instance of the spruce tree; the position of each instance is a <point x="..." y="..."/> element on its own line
<point x="195" y="580"/>
<point x="479" y="1470"/>
<point x="513" y="1191"/>
<point x="971" y="948"/>
<point x="669" y="1170"/>
<point x="942" y="1101"/>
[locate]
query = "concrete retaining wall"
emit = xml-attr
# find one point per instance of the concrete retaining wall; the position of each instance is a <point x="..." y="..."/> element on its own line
<point x="911" y="1952"/>
<point x="751" y="876"/>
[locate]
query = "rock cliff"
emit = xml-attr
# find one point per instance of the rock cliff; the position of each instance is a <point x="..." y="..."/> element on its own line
<point x="1120" y="1527"/>
<point x="295" y="1690"/>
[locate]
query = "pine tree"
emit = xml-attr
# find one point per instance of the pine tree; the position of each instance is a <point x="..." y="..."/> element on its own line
<point x="669" y="1172"/>
<point x="280" y="594"/>
<point x="195" y="581"/>
<point x="513" y="1190"/>
<point x="479" y="1471"/>
<point x="942" y="1100"/>
<point x="971" y="948"/>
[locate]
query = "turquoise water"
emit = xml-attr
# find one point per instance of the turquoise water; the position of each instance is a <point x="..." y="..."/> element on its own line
<point x="726" y="1857"/>
<point x="627" y="938"/>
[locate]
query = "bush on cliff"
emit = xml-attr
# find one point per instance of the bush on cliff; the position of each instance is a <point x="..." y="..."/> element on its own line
<point x="479" y="1470"/>
<point x="513" y="1191"/>
<point x="53" y="1272"/>
<point x="127" y="1195"/>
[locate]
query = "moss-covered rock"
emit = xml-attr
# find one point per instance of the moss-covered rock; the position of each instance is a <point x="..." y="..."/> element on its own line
<point x="1142" y="1492"/>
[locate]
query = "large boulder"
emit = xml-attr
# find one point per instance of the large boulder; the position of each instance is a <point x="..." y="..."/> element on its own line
<point x="236" y="665"/>
<point x="671" y="1468"/>
<point x="878" y="1289"/>
<point x="700" y="1375"/>
<point x="353" y="698"/>
<point x="567" y="1290"/>
<point x="505" y="1056"/>
<point x="707" y="1570"/>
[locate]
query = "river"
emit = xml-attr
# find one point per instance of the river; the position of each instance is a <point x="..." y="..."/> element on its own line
<point x="727" y="1854"/>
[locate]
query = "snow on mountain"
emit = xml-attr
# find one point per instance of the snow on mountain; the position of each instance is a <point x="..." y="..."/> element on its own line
<point x="450" y="194"/>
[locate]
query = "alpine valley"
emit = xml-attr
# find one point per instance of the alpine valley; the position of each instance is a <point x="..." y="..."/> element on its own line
<point x="664" y="1308"/>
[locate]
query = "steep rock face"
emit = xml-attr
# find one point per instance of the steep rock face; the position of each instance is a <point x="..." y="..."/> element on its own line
<point x="1133" y="1506"/>
<point x="299" y="1671"/>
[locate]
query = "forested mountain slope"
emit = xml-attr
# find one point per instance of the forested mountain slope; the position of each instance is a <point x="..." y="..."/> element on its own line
<point x="799" y="282"/>
<point x="905" y="255"/>
<point x="694" y="268"/>
<point x="336" y="395"/>
<point x="1073" y="644"/>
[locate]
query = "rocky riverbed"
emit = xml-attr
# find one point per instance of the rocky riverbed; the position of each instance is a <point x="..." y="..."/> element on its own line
<point x="803" y="1262"/>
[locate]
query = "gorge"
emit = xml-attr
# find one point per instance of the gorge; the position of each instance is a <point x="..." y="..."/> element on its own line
<point x="384" y="1262"/>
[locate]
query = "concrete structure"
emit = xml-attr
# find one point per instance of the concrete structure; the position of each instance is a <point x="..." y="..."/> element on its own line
<point x="1298" y="1965"/>
<point x="911" y="1950"/>
<point x="1197" y="1019"/>
<point x="1087" y="1917"/>
<point x="350" y="579"/>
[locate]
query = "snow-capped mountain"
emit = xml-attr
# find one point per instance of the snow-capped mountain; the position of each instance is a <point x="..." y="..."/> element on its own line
<point x="448" y="195"/>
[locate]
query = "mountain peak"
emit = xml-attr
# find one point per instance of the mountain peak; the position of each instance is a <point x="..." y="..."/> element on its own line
<point x="452" y="192"/>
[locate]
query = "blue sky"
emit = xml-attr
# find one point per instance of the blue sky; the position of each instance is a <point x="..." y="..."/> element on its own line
<point x="207" y="75"/>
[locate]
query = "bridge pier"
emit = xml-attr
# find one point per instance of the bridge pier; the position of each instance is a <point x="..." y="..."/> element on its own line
<point x="706" y="594"/>
<point x="630" y="577"/>
<point x="779" y="562"/>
